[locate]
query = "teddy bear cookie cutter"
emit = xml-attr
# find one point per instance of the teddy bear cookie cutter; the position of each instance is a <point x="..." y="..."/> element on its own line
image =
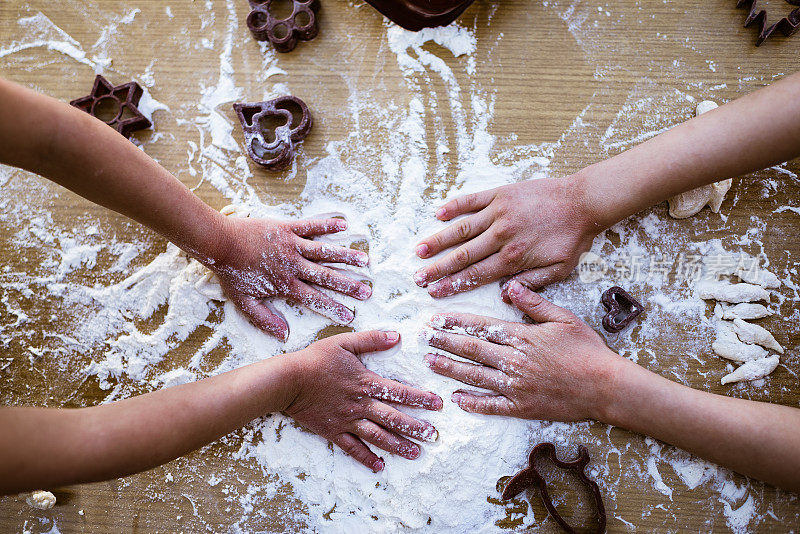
<point x="284" y="34"/>
<point x="622" y="309"/>
<point x="117" y="102"/>
<point x="531" y="477"/>
<point x="273" y="128"/>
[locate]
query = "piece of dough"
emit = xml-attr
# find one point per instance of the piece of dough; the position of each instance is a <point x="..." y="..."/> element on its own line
<point x="752" y="370"/>
<point x="733" y="293"/>
<point x="687" y="204"/>
<point x="43" y="500"/>
<point x="745" y="310"/>
<point x="761" y="277"/>
<point x="729" y="346"/>
<point x="752" y="333"/>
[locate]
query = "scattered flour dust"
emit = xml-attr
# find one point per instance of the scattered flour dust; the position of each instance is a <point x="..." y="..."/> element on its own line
<point x="452" y="486"/>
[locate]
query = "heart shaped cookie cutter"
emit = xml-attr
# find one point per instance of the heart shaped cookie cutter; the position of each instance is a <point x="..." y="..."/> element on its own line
<point x="274" y="153"/>
<point x="531" y="477"/>
<point x="617" y="301"/>
<point x="284" y="34"/>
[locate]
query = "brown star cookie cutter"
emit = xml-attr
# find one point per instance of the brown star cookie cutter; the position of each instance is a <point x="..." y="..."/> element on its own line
<point x="120" y="100"/>
<point x="788" y="25"/>
<point x="530" y="476"/>
<point x="417" y="14"/>
<point x="617" y="301"/>
<point x="275" y="152"/>
<point x="284" y="34"/>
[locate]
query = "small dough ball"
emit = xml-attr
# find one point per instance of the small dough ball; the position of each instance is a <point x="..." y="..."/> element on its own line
<point x="43" y="500"/>
<point x="705" y="106"/>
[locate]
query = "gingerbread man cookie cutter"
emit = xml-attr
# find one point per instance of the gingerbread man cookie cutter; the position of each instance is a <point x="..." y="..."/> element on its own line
<point x="619" y="302"/>
<point x="531" y="477"/>
<point x="788" y="25"/>
<point x="117" y="102"/>
<point x="275" y="152"/>
<point x="284" y="34"/>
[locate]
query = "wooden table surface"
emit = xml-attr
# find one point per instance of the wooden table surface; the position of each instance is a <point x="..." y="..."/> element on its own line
<point x="544" y="63"/>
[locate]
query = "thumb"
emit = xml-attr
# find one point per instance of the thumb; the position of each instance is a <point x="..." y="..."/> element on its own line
<point x="369" y="341"/>
<point x="536" y="278"/>
<point x="264" y="317"/>
<point x="535" y="306"/>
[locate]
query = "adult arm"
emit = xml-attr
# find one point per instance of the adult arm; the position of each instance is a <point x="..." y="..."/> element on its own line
<point x="325" y="388"/>
<point x="559" y="369"/>
<point x="253" y="258"/>
<point x="538" y="229"/>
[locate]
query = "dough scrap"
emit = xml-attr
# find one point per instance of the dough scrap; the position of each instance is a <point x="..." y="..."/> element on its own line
<point x="752" y="333"/>
<point x="686" y="204"/>
<point x="728" y="345"/>
<point x="745" y="310"/>
<point x="43" y="500"/>
<point x="733" y="293"/>
<point x="752" y="370"/>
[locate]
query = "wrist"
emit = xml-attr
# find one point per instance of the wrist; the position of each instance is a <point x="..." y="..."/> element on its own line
<point x="219" y="243"/>
<point x="595" y="204"/>
<point x="612" y="378"/>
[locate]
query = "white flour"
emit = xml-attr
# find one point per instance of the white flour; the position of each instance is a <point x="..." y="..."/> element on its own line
<point x="451" y="488"/>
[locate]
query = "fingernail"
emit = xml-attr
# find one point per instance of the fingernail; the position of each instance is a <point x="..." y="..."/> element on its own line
<point x="514" y="287"/>
<point x="363" y="259"/>
<point x="419" y="278"/>
<point x="364" y="291"/>
<point x="378" y="466"/>
<point x="437" y="405"/>
<point x="409" y="451"/>
<point x="440" y="213"/>
<point x="440" y="288"/>
<point x="347" y="316"/>
<point x="341" y="225"/>
<point x="392" y="337"/>
<point x="422" y="250"/>
<point x="456" y="397"/>
<point x="430" y="359"/>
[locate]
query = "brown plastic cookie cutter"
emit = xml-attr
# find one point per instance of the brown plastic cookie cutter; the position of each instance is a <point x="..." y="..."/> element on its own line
<point x="530" y="476"/>
<point x="788" y="25"/>
<point x="272" y="129"/>
<point x="284" y="34"/>
<point x="618" y="302"/>
<point x="118" y="102"/>
<point x="417" y="14"/>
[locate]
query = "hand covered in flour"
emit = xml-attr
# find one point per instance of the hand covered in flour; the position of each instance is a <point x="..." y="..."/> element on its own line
<point x="557" y="369"/>
<point x="535" y="230"/>
<point x="268" y="258"/>
<point x="344" y="402"/>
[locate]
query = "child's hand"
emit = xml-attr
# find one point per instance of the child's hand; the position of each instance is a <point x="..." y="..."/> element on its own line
<point x="536" y="228"/>
<point x="558" y="369"/>
<point x="342" y="401"/>
<point x="268" y="258"/>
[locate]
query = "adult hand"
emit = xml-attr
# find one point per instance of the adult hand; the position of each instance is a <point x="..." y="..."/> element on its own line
<point x="535" y="230"/>
<point x="342" y="401"/>
<point x="268" y="258"/>
<point x="558" y="369"/>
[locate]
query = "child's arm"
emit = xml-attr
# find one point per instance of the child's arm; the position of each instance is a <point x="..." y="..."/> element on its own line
<point x="253" y="258"/>
<point x="560" y="369"/>
<point x="325" y="388"/>
<point x="539" y="228"/>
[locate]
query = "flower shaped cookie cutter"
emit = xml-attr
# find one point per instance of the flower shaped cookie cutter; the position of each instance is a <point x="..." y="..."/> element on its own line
<point x="273" y="128"/>
<point x="284" y="34"/>
<point x="530" y="476"/>
<point x="115" y="105"/>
